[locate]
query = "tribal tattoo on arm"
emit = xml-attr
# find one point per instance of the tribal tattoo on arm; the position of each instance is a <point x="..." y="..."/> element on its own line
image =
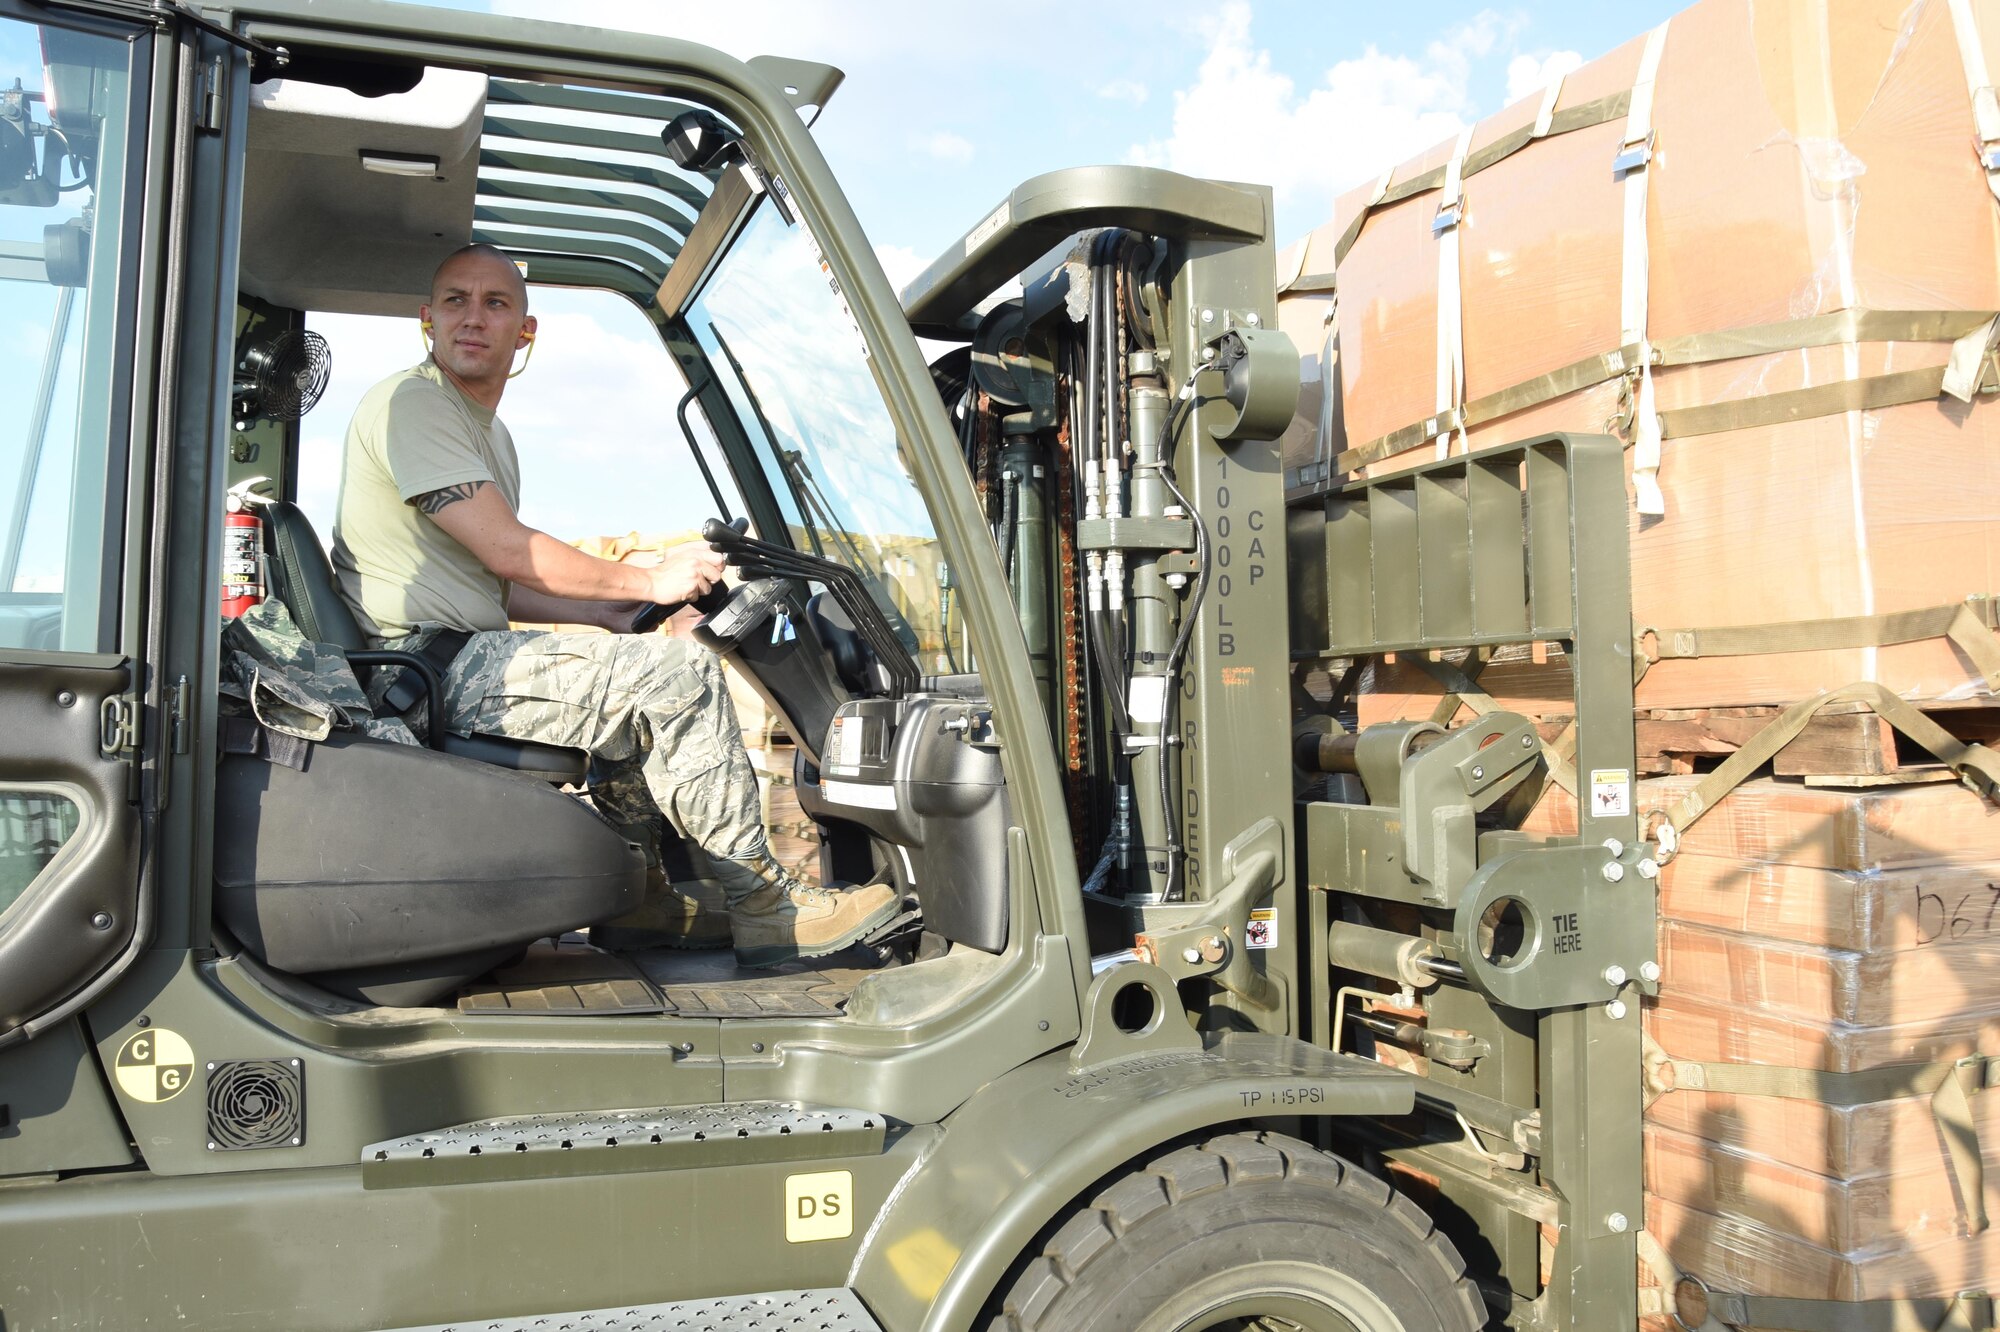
<point x="431" y="501"/>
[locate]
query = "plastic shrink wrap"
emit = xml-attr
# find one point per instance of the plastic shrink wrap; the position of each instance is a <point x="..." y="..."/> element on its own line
<point x="1841" y="931"/>
<point x="1762" y="248"/>
<point x="1811" y="220"/>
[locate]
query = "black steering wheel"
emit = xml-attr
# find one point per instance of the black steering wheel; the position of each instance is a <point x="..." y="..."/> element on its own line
<point x="708" y="603"/>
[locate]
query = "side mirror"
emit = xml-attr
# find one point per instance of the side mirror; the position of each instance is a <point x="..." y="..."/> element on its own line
<point x="700" y="140"/>
<point x="66" y="253"/>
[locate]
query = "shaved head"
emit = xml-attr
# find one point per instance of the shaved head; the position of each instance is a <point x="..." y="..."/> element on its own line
<point x="477" y="253"/>
<point x="477" y="318"/>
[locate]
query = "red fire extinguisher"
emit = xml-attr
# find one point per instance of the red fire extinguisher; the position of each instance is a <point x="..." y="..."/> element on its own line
<point x="242" y="548"/>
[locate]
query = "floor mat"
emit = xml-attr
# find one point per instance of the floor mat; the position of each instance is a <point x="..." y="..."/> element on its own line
<point x="712" y="985"/>
<point x="568" y="977"/>
<point x="561" y="978"/>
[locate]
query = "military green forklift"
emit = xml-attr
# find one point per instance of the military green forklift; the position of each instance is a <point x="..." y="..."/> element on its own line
<point x="1206" y="1013"/>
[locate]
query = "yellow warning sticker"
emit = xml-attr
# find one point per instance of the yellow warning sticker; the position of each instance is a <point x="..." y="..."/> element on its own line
<point x="819" y="1206"/>
<point x="155" y="1065"/>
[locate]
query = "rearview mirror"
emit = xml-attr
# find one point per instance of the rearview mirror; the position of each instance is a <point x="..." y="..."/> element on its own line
<point x="699" y="140"/>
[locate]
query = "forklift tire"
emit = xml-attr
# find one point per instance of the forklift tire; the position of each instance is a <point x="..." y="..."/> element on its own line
<point x="1243" y="1228"/>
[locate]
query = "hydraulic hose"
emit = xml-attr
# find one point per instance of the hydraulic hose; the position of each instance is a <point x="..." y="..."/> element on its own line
<point x="1170" y="706"/>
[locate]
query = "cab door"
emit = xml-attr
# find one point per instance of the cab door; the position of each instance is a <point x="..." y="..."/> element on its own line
<point x="77" y="102"/>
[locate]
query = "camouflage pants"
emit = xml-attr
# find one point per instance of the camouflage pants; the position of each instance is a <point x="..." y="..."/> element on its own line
<point x="654" y="713"/>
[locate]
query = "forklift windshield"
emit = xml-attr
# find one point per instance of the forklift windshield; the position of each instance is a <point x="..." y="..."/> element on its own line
<point x="787" y="351"/>
<point x="63" y="132"/>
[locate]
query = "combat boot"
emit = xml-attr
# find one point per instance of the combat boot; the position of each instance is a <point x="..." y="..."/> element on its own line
<point x="783" y="919"/>
<point x="668" y="917"/>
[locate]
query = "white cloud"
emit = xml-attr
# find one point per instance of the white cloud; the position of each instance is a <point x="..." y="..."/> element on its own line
<point x="901" y="263"/>
<point x="944" y="146"/>
<point x="1124" y="90"/>
<point x="1527" y="74"/>
<point x="1243" y="119"/>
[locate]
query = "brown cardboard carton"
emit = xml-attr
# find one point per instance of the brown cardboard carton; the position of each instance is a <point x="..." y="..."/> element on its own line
<point x="1809" y="159"/>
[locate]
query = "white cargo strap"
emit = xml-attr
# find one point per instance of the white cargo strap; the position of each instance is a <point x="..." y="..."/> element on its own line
<point x="1545" y="118"/>
<point x="1635" y="153"/>
<point x="1450" y="320"/>
<point x="1967" y="366"/>
<point x="1985" y="101"/>
<point x="1329" y="397"/>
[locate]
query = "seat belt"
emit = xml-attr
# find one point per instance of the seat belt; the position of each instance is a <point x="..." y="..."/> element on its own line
<point x="441" y="651"/>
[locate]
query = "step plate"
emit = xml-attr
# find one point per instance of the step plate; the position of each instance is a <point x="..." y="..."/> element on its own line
<point x="607" y="1142"/>
<point x="777" y="1311"/>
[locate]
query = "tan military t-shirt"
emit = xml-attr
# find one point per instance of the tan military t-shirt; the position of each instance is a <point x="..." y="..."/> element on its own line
<point x="413" y="433"/>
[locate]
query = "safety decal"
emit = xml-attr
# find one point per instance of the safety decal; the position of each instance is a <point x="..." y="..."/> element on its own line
<point x="819" y="1206"/>
<point x="155" y="1065"/>
<point x="1610" y="792"/>
<point x="1263" y="929"/>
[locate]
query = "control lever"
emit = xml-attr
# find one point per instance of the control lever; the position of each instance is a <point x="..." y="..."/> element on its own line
<point x="761" y="559"/>
<point x="653" y="616"/>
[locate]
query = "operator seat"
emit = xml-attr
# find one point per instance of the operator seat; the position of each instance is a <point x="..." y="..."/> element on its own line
<point x="394" y="874"/>
<point x="302" y="578"/>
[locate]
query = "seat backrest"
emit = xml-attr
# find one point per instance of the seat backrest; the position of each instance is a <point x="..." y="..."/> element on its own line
<point x="302" y="578"/>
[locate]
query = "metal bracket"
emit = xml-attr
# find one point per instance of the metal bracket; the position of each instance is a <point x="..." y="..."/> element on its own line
<point x="1253" y="864"/>
<point x="1143" y="534"/>
<point x="1130" y="1008"/>
<point x="1555" y="927"/>
<point x="118" y="727"/>
<point x="1633" y="156"/>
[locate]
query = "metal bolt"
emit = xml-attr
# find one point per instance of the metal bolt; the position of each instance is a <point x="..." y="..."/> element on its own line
<point x="1649" y="971"/>
<point x="1478" y="773"/>
<point x="1649" y="868"/>
<point x="1615" y="1009"/>
<point x="1613" y="871"/>
<point x="142" y="1021"/>
<point x="1176" y="581"/>
<point x="1614" y="975"/>
<point x="1043" y="1025"/>
<point x="1251" y="319"/>
<point x="1614" y="846"/>
<point x="1190" y="954"/>
<point x="1616" y="1223"/>
<point x="1208" y="353"/>
<point x="101" y="921"/>
<point x="65" y="698"/>
<point x="211" y="1068"/>
<point x="1208" y="316"/>
<point x="756" y="1047"/>
<point x="687" y="1047"/>
<point x="1527" y="742"/>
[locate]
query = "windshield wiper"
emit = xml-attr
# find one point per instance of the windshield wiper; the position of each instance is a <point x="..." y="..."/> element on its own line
<point x="799" y="501"/>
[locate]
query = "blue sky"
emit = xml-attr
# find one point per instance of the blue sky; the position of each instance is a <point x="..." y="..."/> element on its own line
<point x="944" y="110"/>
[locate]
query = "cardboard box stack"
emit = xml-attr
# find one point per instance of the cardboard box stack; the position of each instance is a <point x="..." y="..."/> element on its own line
<point x="1812" y="191"/>
<point x="1759" y="245"/>
<point x="1842" y="931"/>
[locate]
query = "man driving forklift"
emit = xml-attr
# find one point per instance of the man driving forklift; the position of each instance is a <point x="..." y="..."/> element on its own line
<point x="431" y="557"/>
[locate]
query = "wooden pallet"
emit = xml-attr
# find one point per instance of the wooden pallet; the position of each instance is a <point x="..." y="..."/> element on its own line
<point x="1846" y="744"/>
